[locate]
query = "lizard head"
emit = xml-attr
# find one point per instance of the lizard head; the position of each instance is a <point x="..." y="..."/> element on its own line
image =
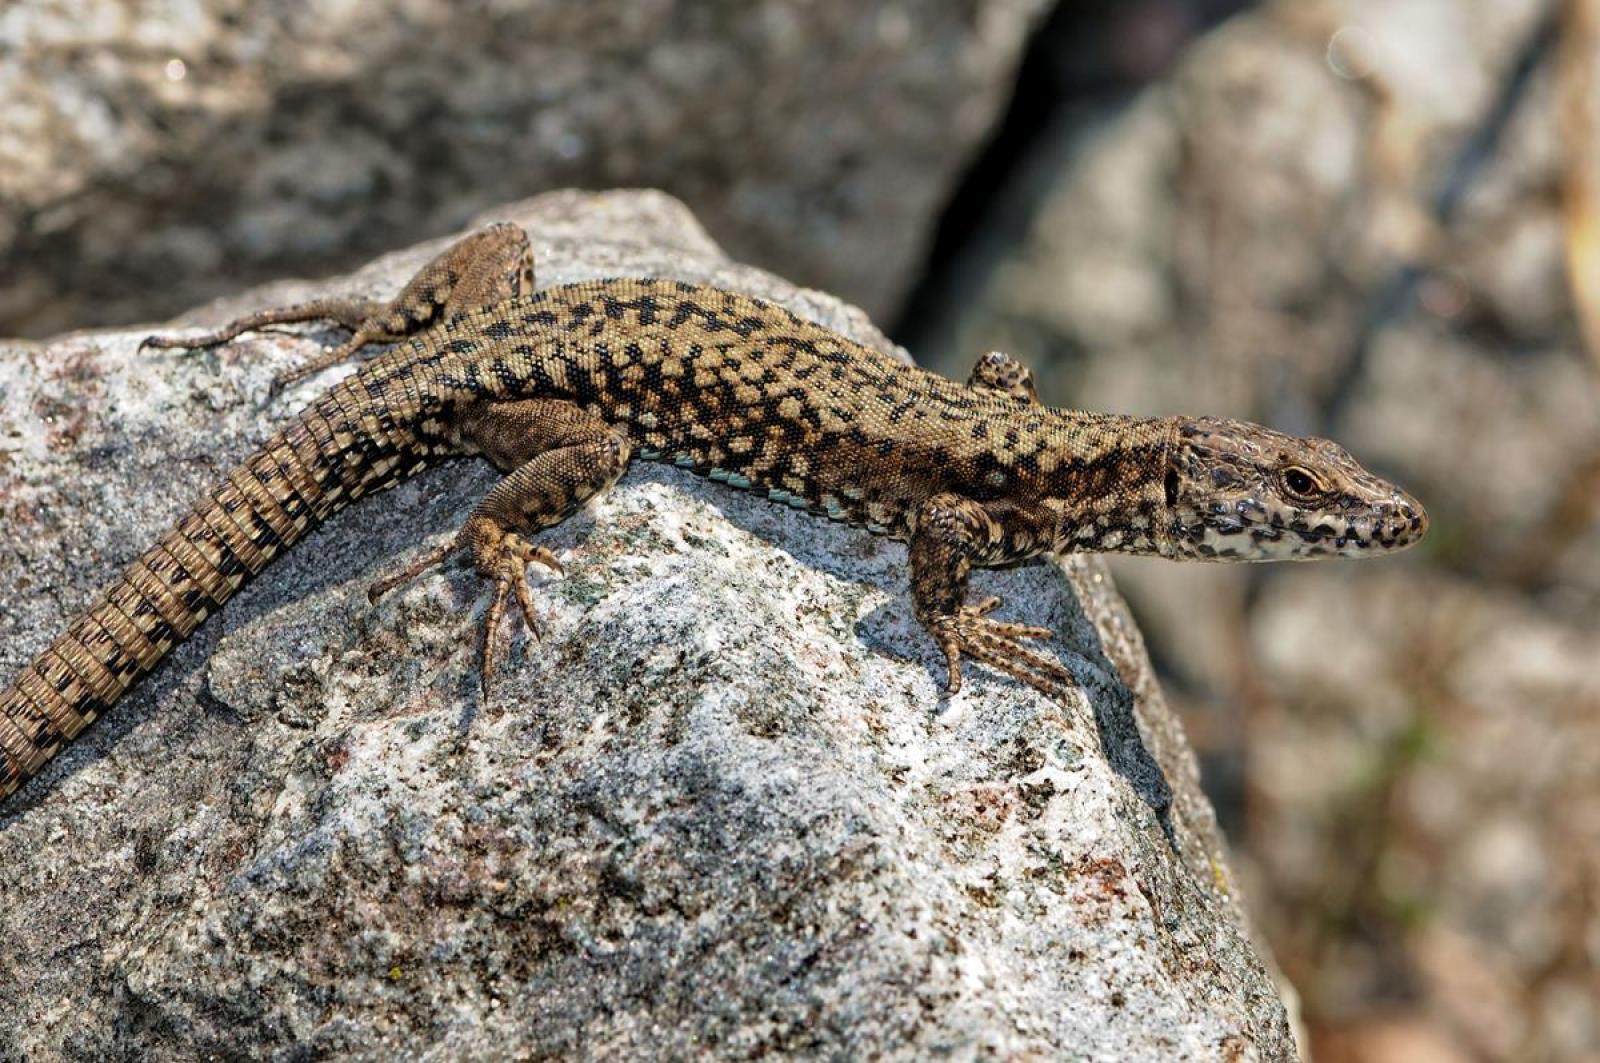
<point x="1235" y="491"/>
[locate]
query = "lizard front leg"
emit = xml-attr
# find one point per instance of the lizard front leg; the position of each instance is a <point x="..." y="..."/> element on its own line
<point x="483" y="268"/>
<point x="952" y="535"/>
<point x="557" y="457"/>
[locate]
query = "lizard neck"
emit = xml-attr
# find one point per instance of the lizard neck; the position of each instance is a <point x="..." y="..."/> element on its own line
<point x="1106" y="480"/>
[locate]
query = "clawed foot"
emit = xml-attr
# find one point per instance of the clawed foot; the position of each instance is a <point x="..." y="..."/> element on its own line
<point x="996" y="644"/>
<point x="507" y="565"/>
<point x="511" y="575"/>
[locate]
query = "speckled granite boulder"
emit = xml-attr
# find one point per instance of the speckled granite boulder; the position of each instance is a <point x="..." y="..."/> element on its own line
<point x="721" y="809"/>
<point x="214" y="143"/>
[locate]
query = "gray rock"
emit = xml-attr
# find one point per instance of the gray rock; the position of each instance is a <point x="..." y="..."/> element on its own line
<point x="211" y="143"/>
<point x="721" y="809"/>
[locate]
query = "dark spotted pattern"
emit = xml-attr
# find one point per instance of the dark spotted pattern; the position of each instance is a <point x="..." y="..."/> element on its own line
<point x="563" y="388"/>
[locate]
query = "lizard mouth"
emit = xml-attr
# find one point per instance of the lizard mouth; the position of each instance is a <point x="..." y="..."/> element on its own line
<point x="1391" y="528"/>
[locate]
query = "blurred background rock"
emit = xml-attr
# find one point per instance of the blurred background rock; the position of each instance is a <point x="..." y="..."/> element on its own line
<point x="1373" y="220"/>
<point x="156" y="153"/>
<point x="1369" y="219"/>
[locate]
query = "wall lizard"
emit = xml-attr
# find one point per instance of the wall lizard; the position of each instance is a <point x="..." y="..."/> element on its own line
<point x="563" y="388"/>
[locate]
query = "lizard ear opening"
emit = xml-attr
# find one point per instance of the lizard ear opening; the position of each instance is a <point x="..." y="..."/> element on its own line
<point x="1170" y="484"/>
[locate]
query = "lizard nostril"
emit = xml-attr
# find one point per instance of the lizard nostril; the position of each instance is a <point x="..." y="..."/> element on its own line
<point x="1410" y="521"/>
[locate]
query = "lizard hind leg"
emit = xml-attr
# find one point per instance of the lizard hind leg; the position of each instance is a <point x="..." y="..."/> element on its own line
<point x="558" y="457"/>
<point x="479" y="270"/>
<point x="485" y="267"/>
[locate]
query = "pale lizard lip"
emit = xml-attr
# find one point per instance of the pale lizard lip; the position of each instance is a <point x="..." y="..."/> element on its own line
<point x="1394" y="532"/>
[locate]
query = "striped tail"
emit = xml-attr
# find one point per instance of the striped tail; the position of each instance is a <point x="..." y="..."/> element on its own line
<point x="299" y="478"/>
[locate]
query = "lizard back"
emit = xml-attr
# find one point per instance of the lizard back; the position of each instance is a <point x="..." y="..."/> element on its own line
<point x="752" y="394"/>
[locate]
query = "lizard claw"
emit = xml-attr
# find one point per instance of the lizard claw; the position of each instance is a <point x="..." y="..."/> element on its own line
<point x="997" y="643"/>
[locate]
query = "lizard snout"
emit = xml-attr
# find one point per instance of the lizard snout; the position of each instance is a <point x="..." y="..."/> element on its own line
<point x="1401" y="522"/>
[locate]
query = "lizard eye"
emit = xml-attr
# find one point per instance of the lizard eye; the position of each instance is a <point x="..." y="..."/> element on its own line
<point x="1300" y="484"/>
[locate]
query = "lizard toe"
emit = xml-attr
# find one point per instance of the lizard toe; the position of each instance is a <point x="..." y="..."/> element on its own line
<point x="494" y="639"/>
<point x="294" y="374"/>
<point x="378" y="588"/>
<point x="526" y="551"/>
<point x="975" y="617"/>
<point x="985" y="607"/>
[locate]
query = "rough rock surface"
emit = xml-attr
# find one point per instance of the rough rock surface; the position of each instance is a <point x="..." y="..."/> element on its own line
<point x="211" y="142"/>
<point x="1421" y="733"/>
<point x="721" y="809"/>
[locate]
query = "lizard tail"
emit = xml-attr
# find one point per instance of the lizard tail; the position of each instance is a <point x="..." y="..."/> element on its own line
<point x="321" y="462"/>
